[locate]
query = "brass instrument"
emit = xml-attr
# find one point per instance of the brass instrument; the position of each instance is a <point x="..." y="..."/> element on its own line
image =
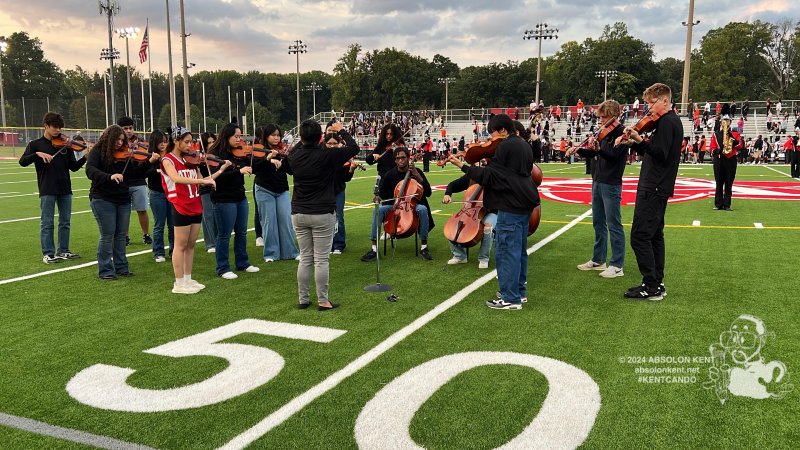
<point x="727" y="142"/>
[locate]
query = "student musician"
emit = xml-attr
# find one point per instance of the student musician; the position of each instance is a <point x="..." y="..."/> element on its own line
<point x="159" y="205"/>
<point x="386" y="193"/>
<point x="724" y="146"/>
<point x="207" y="140"/>
<point x="53" y="165"/>
<point x="230" y="206"/>
<point x="180" y="181"/>
<point x="136" y="182"/>
<point x="333" y="140"/>
<point x="389" y="139"/>
<point x="107" y="166"/>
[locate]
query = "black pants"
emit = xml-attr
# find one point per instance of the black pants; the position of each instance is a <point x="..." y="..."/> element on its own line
<point x="702" y="157"/>
<point x="426" y="161"/>
<point x="647" y="236"/>
<point x="795" y="167"/>
<point x="724" y="174"/>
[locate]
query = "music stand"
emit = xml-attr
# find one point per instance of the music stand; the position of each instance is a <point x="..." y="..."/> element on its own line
<point x="377" y="286"/>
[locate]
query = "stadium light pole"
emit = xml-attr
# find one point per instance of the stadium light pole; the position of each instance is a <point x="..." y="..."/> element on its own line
<point x="605" y="74"/>
<point x="297" y="48"/>
<point x="186" y="104"/>
<point x="3" y="47"/>
<point x="110" y="8"/>
<point x="687" y="57"/>
<point x="127" y="33"/>
<point x="540" y="32"/>
<point x="446" y="81"/>
<point x="313" y="87"/>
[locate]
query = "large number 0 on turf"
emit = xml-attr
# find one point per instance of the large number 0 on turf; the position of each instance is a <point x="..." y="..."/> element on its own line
<point x="564" y="420"/>
<point x="104" y="386"/>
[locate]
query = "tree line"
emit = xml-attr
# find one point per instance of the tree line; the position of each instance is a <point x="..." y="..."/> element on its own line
<point x="742" y="60"/>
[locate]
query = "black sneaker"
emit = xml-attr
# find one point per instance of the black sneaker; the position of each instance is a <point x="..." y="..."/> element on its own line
<point x="67" y="255"/>
<point x="127" y="241"/>
<point x="51" y="259"/>
<point x="369" y="256"/>
<point x="425" y="254"/>
<point x="652" y="295"/>
<point x="147" y="239"/>
<point x="641" y="286"/>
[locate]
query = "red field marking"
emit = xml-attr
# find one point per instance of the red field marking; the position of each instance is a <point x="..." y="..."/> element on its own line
<point x="579" y="190"/>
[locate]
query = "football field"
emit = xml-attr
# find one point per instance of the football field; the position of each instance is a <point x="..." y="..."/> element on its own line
<point x="128" y="364"/>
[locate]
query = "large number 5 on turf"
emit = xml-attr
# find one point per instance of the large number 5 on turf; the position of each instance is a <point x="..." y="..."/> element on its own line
<point x="104" y="386"/>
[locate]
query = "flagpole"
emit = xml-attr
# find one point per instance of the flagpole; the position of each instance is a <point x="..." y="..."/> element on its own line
<point x="144" y="108"/>
<point x="172" y="95"/>
<point x="205" y="126"/>
<point x="230" y="112"/>
<point x="253" y="101"/>
<point x="150" y="77"/>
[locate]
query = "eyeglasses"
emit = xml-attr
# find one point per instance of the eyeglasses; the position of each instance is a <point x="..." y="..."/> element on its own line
<point x="332" y="143"/>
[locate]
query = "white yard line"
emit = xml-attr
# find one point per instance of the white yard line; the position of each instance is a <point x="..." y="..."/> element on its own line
<point x="67" y="434"/>
<point x="776" y="170"/>
<point x="301" y="401"/>
<point x="38" y="218"/>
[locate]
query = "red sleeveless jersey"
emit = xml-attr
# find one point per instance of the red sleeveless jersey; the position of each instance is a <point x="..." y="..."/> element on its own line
<point x="184" y="197"/>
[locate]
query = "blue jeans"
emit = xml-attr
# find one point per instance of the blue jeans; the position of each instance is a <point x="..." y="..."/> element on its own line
<point x="422" y="212"/>
<point x="339" y="239"/>
<point x="276" y="223"/>
<point x="231" y="217"/>
<point x="511" y="255"/>
<point x="162" y="213"/>
<point x="489" y="222"/>
<point x="607" y="219"/>
<point x="112" y="220"/>
<point x="48" y="204"/>
<point x="209" y="223"/>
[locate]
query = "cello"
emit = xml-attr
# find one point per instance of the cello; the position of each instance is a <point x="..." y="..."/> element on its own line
<point x="465" y="228"/>
<point x="402" y="220"/>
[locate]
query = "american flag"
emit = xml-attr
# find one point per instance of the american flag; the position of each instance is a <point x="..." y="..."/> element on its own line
<point x="143" y="47"/>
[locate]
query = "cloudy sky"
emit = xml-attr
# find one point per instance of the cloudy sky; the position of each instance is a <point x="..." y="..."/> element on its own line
<point x="254" y="34"/>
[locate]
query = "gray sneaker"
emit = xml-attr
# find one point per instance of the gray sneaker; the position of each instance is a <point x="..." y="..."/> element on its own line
<point x="591" y="265"/>
<point x="502" y="304"/>
<point x="612" y="272"/>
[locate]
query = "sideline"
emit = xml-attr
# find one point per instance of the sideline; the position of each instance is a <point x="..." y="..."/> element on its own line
<point x="67" y="434"/>
<point x="301" y="401"/>
<point x="776" y="170"/>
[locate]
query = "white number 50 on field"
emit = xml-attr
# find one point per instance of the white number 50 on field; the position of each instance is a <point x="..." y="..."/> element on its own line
<point x="105" y="387"/>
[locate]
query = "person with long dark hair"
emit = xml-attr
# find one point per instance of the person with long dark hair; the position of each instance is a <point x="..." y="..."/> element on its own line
<point x="389" y="138"/>
<point x="274" y="203"/>
<point x="181" y="181"/>
<point x="110" y="199"/>
<point x="159" y="205"/>
<point x="230" y="206"/>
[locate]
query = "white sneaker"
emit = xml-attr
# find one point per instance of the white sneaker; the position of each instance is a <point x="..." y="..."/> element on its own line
<point x="453" y="261"/>
<point x="297" y="258"/>
<point x="591" y="265"/>
<point x="160" y="259"/>
<point x="212" y="250"/>
<point x="252" y="269"/>
<point x="483" y="264"/>
<point x="268" y="260"/>
<point x="612" y="272"/>
<point x="184" y="289"/>
<point x="259" y="242"/>
<point x="195" y="284"/>
<point x="336" y="252"/>
<point x="229" y="276"/>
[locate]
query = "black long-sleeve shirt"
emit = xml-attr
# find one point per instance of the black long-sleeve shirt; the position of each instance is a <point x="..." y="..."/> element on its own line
<point x="270" y="178"/>
<point x="507" y="179"/>
<point x="53" y="177"/>
<point x="610" y="164"/>
<point x="343" y="176"/>
<point x="314" y="169"/>
<point x="103" y="187"/>
<point x="662" y="154"/>
<point x="389" y="183"/>
<point x="230" y="184"/>
<point x="385" y="161"/>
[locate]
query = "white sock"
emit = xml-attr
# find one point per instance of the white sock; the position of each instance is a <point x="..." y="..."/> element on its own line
<point x="187" y="278"/>
<point x="374" y="248"/>
<point x="179" y="282"/>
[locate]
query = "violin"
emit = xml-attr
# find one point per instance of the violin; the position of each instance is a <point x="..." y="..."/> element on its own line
<point x="281" y="148"/>
<point x="402" y="221"/>
<point x="646" y="123"/>
<point x="196" y="158"/>
<point x="359" y="166"/>
<point x="443" y="162"/>
<point x="126" y="154"/>
<point x="465" y="227"/>
<point x="479" y="150"/>
<point x="62" y="142"/>
<point x="600" y="134"/>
